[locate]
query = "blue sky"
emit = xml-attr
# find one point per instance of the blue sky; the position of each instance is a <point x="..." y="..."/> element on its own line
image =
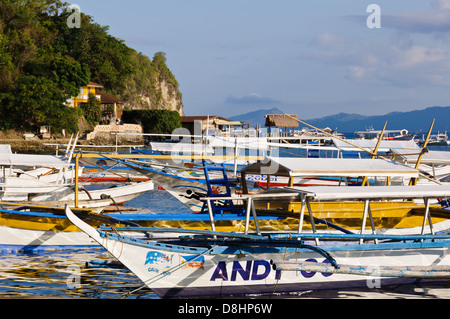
<point x="310" y="58"/>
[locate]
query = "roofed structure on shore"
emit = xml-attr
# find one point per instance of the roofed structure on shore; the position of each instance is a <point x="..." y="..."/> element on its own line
<point x="281" y="120"/>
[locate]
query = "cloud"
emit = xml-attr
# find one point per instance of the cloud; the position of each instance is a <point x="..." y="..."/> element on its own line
<point x="328" y="40"/>
<point x="434" y="20"/>
<point x="251" y="99"/>
<point x="402" y="60"/>
<point x="332" y="49"/>
<point x="419" y="21"/>
<point x="415" y="54"/>
<point x="421" y="56"/>
<point x="440" y="4"/>
<point x="413" y="66"/>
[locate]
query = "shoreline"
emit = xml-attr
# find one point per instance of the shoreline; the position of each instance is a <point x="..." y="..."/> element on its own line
<point x="30" y="147"/>
<point x="41" y="146"/>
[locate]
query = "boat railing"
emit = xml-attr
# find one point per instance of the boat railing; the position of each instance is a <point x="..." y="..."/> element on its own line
<point x="250" y="209"/>
<point x="307" y="195"/>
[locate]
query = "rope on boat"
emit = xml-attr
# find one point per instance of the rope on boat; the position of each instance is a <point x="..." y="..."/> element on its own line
<point x="321" y="252"/>
<point x="107" y="169"/>
<point x="431" y="272"/>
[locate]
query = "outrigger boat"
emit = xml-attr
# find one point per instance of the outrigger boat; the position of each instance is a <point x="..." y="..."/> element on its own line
<point x="258" y="176"/>
<point x="31" y="228"/>
<point x="189" y="191"/>
<point x="42" y="228"/>
<point x="106" y="171"/>
<point x="215" y="263"/>
<point x="22" y="175"/>
<point x="117" y="194"/>
<point x="51" y="179"/>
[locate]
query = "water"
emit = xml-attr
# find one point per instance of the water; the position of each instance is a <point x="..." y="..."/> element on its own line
<point x="63" y="274"/>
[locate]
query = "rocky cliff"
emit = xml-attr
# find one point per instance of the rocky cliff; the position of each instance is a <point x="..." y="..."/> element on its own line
<point x="152" y="86"/>
<point x="162" y="96"/>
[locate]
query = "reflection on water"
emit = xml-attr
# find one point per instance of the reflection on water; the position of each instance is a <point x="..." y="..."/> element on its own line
<point x="64" y="275"/>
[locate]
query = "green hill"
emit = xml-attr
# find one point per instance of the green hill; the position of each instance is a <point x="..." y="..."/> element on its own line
<point x="43" y="62"/>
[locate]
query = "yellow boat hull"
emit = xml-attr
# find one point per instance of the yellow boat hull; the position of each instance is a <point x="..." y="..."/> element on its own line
<point x="386" y="215"/>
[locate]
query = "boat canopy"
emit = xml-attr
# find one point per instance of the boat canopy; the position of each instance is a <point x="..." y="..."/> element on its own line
<point x="430" y="158"/>
<point x="7" y="158"/>
<point x="385" y="146"/>
<point x="337" y="167"/>
<point x="343" y="193"/>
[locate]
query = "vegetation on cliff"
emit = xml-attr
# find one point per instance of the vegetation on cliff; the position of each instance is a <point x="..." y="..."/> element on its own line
<point x="154" y="121"/>
<point x="44" y="62"/>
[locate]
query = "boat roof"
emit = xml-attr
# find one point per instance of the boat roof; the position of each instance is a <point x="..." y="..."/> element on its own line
<point x="327" y="193"/>
<point x="385" y="145"/>
<point x="431" y="157"/>
<point x="7" y="158"/>
<point x="341" y="167"/>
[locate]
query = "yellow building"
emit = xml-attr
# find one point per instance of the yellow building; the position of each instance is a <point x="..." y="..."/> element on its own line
<point x="83" y="97"/>
<point x="112" y="114"/>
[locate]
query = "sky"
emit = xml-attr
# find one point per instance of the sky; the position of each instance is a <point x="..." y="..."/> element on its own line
<point x="310" y="58"/>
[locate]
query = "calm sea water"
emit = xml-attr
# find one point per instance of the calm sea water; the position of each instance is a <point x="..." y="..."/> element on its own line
<point x="62" y="274"/>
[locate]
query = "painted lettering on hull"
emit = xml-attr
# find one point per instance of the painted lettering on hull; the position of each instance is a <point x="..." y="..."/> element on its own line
<point x="252" y="270"/>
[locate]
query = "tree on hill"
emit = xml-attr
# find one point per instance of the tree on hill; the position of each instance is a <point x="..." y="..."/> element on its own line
<point x="154" y="121"/>
<point x="43" y="63"/>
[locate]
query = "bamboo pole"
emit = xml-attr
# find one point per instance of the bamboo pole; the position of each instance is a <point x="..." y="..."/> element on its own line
<point x="380" y="138"/>
<point x="375" y="152"/>
<point x="413" y="181"/>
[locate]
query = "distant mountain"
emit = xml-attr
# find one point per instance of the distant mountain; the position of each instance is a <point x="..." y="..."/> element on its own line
<point x="414" y="121"/>
<point x="256" y="117"/>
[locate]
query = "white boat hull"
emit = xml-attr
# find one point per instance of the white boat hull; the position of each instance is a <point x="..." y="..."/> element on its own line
<point x="181" y="271"/>
<point x="27" y="240"/>
<point x="119" y="194"/>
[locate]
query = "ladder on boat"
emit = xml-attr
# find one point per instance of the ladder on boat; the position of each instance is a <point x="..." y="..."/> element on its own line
<point x="214" y="185"/>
